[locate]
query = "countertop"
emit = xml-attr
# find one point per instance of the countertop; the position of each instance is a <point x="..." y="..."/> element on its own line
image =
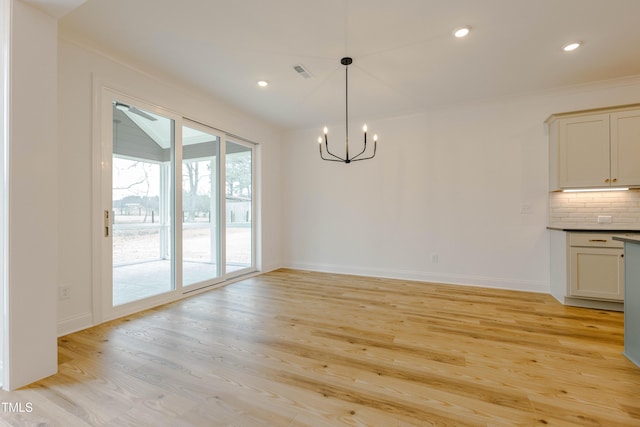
<point x="594" y="229"/>
<point x="628" y="239"/>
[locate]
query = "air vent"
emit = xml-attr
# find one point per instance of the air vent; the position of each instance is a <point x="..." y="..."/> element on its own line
<point x="302" y="71"/>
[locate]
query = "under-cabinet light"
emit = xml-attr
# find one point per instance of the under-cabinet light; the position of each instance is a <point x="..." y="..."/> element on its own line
<point x="584" y="190"/>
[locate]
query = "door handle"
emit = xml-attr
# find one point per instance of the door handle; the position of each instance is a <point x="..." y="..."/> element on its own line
<point x="107" y="223"/>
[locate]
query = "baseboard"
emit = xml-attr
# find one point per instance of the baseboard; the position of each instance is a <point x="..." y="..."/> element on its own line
<point x="268" y="268"/>
<point x="74" y="324"/>
<point x="425" y="276"/>
<point x="589" y="303"/>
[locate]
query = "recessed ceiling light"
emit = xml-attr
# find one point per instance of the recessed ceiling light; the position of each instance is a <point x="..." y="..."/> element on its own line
<point x="263" y="83"/>
<point x="462" y="31"/>
<point x="571" y="46"/>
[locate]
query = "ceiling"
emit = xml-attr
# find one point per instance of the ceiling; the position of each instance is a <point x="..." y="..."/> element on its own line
<point x="405" y="57"/>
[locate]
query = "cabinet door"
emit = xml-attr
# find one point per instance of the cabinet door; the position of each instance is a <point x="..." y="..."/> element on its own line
<point x="584" y="151"/>
<point x="625" y="148"/>
<point x="597" y="273"/>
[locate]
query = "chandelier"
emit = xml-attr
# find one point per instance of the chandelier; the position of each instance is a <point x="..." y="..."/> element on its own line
<point x="332" y="157"/>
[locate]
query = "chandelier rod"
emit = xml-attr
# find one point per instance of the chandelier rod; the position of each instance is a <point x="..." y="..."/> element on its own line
<point x="346" y="62"/>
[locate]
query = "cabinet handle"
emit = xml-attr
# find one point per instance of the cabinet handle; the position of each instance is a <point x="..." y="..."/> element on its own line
<point x="606" y="180"/>
<point x="598" y="240"/>
<point x="615" y="179"/>
<point x="622" y="256"/>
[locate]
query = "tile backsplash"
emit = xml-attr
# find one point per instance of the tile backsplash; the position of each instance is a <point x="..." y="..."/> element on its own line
<point x="575" y="210"/>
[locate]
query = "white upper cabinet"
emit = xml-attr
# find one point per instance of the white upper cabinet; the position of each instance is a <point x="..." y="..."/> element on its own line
<point x="584" y="151"/>
<point x="625" y="148"/>
<point x="595" y="149"/>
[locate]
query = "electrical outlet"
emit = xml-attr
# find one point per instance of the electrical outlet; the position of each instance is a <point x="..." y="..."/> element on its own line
<point x="64" y="292"/>
<point x="434" y="258"/>
<point x="526" y="209"/>
<point x="604" y="219"/>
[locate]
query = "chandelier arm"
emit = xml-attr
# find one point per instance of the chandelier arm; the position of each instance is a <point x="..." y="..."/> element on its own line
<point x="337" y="159"/>
<point x="365" y="148"/>
<point x="364" y="158"/>
<point x="360" y="153"/>
<point x="326" y="143"/>
<point x="375" y="145"/>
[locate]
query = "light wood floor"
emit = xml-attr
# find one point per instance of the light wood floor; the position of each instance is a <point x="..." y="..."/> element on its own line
<point x="293" y="348"/>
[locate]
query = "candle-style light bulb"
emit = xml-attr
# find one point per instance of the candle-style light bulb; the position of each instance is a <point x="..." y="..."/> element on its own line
<point x="325" y="130"/>
<point x="375" y="137"/>
<point x="364" y="128"/>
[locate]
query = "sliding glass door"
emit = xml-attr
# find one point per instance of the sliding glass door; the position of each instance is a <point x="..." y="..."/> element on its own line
<point x="239" y="207"/>
<point x="179" y="214"/>
<point x="141" y="204"/>
<point x="200" y="205"/>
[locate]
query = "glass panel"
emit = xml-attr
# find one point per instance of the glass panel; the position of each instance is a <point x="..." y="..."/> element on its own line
<point x="200" y="231"/>
<point x="141" y="197"/>
<point x="239" y="212"/>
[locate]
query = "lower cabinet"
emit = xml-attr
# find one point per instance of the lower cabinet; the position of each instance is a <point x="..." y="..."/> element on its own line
<point x="596" y="272"/>
<point x="587" y="269"/>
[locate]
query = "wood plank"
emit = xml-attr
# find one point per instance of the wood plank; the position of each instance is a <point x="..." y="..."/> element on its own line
<point x="297" y="348"/>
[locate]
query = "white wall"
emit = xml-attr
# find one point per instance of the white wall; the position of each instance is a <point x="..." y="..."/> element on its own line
<point x="32" y="245"/>
<point x="448" y="183"/>
<point x="78" y="68"/>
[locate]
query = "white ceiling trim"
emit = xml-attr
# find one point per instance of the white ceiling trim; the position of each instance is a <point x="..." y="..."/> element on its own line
<point x="56" y="8"/>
